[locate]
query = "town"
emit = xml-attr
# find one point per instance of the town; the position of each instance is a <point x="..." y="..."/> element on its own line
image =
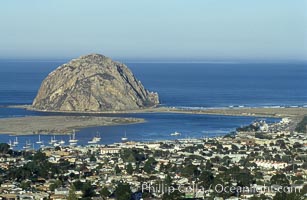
<point x="259" y="161"/>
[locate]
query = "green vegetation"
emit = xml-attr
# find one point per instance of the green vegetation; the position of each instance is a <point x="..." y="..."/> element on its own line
<point x="4" y="148"/>
<point x="105" y="192"/>
<point x="123" y="191"/>
<point x="132" y="155"/>
<point x="176" y="195"/>
<point x="301" y="126"/>
<point x="117" y="170"/>
<point x="39" y="166"/>
<point x="149" y="165"/>
<point x="249" y="128"/>
<point x="72" y="193"/>
<point x="280" y="179"/>
<point x="262" y="136"/>
<point x="86" y="188"/>
<point x="129" y="169"/>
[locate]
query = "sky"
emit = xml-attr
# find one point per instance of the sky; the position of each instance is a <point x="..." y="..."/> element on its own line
<point x="155" y="29"/>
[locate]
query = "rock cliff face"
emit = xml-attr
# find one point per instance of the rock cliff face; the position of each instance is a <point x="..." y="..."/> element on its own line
<point x="93" y="83"/>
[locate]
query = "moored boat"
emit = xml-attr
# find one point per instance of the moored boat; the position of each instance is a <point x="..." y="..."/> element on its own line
<point x="175" y="133"/>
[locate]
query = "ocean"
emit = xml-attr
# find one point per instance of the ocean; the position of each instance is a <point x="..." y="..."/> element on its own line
<point x="190" y="85"/>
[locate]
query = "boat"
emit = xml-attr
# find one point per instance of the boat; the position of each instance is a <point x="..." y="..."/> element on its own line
<point x="39" y="140"/>
<point x="98" y="138"/>
<point x="15" y="143"/>
<point x="56" y="144"/>
<point x="52" y="140"/>
<point x="73" y="139"/>
<point x="62" y="142"/>
<point x="95" y="139"/>
<point x="27" y="145"/>
<point x="10" y="144"/>
<point x="175" y="133"/>
<point x="42" y="145"/>
<point x="125" y="138"/>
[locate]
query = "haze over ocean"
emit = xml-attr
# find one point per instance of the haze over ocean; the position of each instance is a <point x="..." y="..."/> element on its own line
<point x="150" y="30"/>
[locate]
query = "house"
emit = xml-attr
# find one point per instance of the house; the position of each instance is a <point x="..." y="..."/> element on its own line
<point x="8" y="196"/>
<point x="61" y="191"/>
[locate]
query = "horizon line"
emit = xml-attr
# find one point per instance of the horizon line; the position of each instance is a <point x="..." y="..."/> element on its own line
<point x="170" y="61"/>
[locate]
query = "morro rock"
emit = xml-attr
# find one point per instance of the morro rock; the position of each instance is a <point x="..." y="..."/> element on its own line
<point x="93" y="83"/>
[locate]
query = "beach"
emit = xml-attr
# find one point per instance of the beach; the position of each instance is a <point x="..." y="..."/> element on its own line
<point x="244" y="111"/>
<point x="258" y="112"/>
<point x="58" y="124"/>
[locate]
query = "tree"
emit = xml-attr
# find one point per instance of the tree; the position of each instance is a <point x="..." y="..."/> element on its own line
<point x="206" y="178"/>
<point x="72" y="193"/>
<point x="208" y="165"/>
<point x="4" y="148"/>
<point x="172" y="195"/>
<point x="258" y="175"/>
<point x="105" y="192"/>
<point x="242" y="176"/>
<point x="40" y="156"/>
<point x="131" y="159"/>
<point x="304" y="166"/>
<point x="223" y="179"/>
<point x="129" y="169"/>
<point x="287" y="196"/>
<point x="280" y="179"/>
<point x="304" y="190"/>
<point x="117" y="170"/>
<point x="168" y="180"/>
<point x="57" y="148"/>
<point x="55" y="185"/>
<point x="148" y="167"/>
<point x="93" y="158"/>
<point x="277" y="157"/>
<point x="25" y="185"/>
<point x="301" y="126"/>
<point x="281" y="143"/>
<point x="87" y="190"/>
<point x="132" y="155"/>
<point x="78" y="185"/>
<point x="123" y="191"/>
<point x="190" y="171"/>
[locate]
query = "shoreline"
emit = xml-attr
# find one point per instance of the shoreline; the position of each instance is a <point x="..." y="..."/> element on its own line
<point x="58" y="125"/>
<point x="31" y="125"/>
<point x="278" y="112"/>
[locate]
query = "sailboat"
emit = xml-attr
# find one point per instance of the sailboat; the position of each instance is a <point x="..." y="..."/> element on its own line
<point x="42" y="145"/>
<point x="15" y="143"/>
<point x="73" y="140"/>
<point x="98" y="138"/>
<point x="56" y="144"/>
<point x="27" y="145"/>
<point x="62" y="142"/>
<point x="93" y="141"/>
<point x="125" y="138"/>
<point x="52" y="140"/>
<point x="39" y="140"/>
<point x="10" y="143"/>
